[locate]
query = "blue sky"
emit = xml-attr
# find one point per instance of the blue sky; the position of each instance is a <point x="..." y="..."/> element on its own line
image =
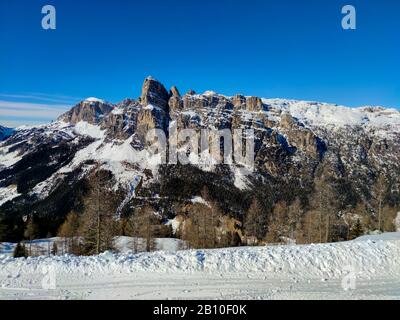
<point x="287" y="48"/>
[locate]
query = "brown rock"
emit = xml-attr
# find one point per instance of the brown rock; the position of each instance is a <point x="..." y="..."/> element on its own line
<point x="154" y="93"/>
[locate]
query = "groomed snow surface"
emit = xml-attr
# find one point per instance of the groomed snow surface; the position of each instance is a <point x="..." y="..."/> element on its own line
<point x="368" y="268"/>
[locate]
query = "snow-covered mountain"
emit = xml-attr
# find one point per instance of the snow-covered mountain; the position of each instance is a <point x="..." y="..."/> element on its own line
<point x="5" y="133"/>
<point x="42" y="167"/>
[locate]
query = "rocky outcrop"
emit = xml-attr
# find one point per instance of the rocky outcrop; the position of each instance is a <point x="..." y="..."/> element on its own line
<point x="154" y="93"/>
<point x="91" y="110"/>
<point x="254" y="104"/>
<point x="299" y="137"/>
<point x="148" y="118"/>
<point x="174" y="92"/>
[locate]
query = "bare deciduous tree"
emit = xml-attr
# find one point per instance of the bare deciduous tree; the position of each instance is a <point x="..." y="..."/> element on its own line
<point x="30" y="233"/>
<point x="141" y="226"/>
<point x="201" y="228"/>
<point x="98" y="227"/>
<point x="69" y="230"/>
<point x="378" y="193"/>
<point x="255" y="222"/>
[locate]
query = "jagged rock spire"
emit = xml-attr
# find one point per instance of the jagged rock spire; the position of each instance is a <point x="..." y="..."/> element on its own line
<point x="154" y="93"/>
<point x="174" y="92"/>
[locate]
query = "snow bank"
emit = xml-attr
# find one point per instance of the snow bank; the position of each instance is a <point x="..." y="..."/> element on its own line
<point x="367" y="258"/>
<point x="380" y="237"/>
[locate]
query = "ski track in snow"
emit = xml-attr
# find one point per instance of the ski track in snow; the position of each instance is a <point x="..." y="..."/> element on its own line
<point x="273" y="272"/>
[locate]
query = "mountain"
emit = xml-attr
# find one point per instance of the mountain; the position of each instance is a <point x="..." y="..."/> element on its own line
<point x="43" y="168"/>
<point x="5" y="133"/>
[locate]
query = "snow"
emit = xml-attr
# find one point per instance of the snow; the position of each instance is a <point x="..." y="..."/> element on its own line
<point x="8" y="193"/>
<point x="175" y="224"/>
<point x="380" y="237"/>
<point x="92" y="99"/>
<point x="7" y="158"/>
<point x="130" y="195"/>
<point x="397" y="222"/>
<point x="191" y="114"/>
<point x="86" y="129"/>
<point x="126" y="244"/>
<point x="331" y="115"/>
<point x="149" y="107"/>
<point x="43" y="247"/>
<point x="118" y="111"/>
<point x="210" y="93"/>
<point x="316" y="271"/>
<point x="200" y="200"/>
<point x="240" y="175"/>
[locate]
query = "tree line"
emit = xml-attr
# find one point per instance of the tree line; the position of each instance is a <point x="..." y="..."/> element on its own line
<point x="205" y="224"/>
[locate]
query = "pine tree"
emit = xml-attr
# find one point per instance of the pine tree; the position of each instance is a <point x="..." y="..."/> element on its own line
<point x="98" y="226"/>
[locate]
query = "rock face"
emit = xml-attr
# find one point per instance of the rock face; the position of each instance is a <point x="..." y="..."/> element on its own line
<point x="295" y="142"/>
<point x="154" y="93"/>
<point x="91" y="110"/>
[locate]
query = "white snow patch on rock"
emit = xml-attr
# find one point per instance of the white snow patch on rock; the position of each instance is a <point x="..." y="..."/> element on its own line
<point x="200" y="200"/>
<point x="93" y="99"/>
<point x="7" y="194"/>
<point x="86" y="129"/>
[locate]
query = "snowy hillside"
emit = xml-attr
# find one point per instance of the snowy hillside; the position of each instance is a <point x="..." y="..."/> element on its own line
<point x="300" y="272"/>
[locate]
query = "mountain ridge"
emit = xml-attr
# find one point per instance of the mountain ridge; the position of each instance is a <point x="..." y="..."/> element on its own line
<point x="297" y="142"/>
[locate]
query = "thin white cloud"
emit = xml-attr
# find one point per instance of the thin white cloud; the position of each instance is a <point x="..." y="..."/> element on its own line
<point x="54" y="99"/>
<point x="19" y="113"/>
<point x="53" y="96"/>
<point x="37" y="114"/>
<point x="31" y="106"/>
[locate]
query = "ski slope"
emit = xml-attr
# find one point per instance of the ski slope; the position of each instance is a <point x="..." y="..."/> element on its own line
<point x="368" y="268"/>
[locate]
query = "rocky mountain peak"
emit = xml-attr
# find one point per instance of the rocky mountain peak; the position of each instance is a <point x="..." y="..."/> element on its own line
<point x="174" y="92"/>
<point x="154" y="93"/>
<point x="91" y="110"/>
